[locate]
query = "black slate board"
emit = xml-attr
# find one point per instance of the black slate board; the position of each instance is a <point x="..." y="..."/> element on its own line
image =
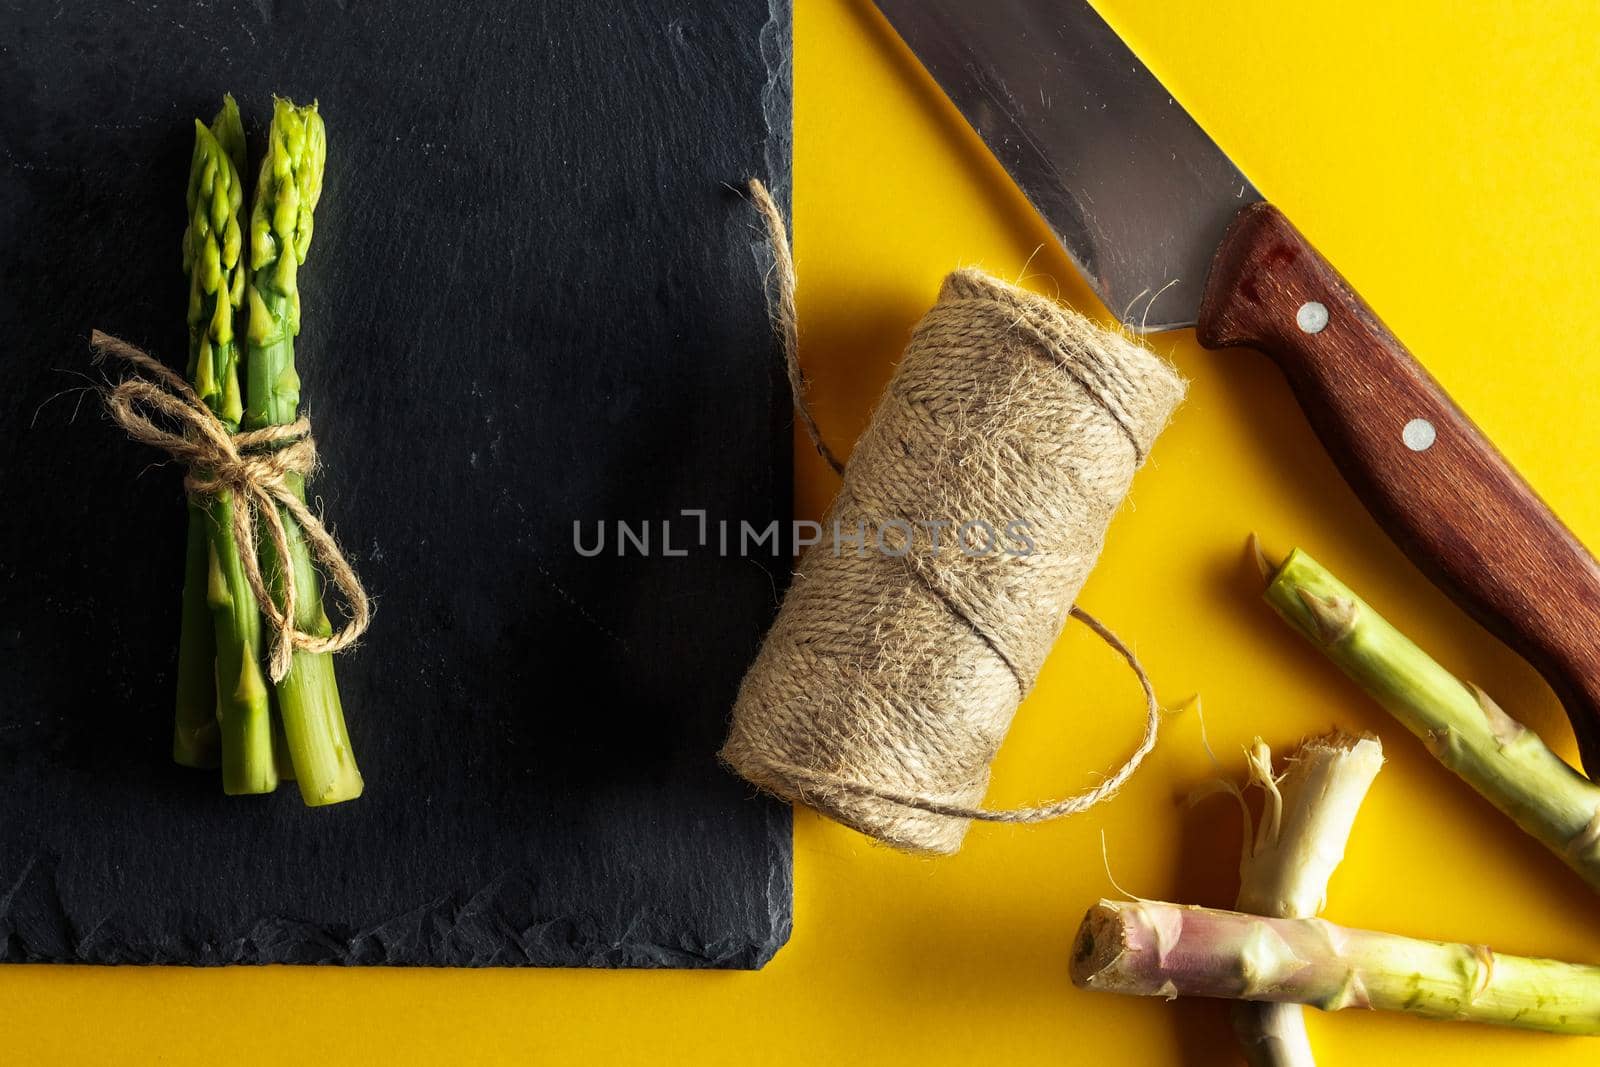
<point x="531" y="300"/>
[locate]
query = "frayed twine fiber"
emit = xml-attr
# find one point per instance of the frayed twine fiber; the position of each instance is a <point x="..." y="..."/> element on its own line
<point x="886" y="684"/>
<point x="255" y="467"/>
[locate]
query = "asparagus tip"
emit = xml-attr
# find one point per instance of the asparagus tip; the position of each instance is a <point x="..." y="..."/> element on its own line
<point x="228" y="128"/>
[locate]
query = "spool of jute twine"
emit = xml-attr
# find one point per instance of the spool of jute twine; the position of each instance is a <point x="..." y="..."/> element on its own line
<point x="892" y="673"/>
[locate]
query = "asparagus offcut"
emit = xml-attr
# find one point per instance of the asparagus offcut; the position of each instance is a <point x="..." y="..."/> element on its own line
<point x="1462" y="727"/>
<point x="286" y="195"/>
<point x="236" y="716"/>
<point x="1149" y="948"/>
<point x="1289" y="856"/>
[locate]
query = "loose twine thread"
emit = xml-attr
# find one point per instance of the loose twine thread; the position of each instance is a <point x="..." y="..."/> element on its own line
<point x="886" y="684"/>
<point x="255" y="466"/>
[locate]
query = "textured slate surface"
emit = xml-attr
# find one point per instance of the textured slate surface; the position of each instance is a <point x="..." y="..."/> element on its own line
<point x="531" y="300"/>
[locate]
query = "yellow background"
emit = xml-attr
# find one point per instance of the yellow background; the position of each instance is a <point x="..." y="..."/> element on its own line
<point x="1446" y="155"/>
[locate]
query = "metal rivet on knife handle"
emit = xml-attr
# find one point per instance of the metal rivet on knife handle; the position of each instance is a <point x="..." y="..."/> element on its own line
<point x="1418" y="435"/>
<point x="1312" y="317"/>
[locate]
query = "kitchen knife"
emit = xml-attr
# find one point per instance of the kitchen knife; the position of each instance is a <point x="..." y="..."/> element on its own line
<point x="1169" y="233"/>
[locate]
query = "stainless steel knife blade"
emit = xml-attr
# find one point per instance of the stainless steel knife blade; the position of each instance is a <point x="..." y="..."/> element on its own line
<point x="1135" y="191"/>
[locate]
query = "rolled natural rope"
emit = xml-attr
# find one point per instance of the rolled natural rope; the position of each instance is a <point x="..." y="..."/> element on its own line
<point x="255" y="466"/>
<point x="887" y="683"/>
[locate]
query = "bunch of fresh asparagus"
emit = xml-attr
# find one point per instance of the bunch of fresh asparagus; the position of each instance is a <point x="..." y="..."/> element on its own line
<point x="226" y="711"/>
<point x="1273" y="954"/>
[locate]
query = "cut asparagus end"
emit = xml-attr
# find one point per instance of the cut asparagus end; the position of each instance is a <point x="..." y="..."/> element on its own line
<point x="1101" y="942"/>
<point x="314" y="728"/>
<point x="198" y="748"/>
<point x="1320" y="792"/>
<point x="1285" y="872"/>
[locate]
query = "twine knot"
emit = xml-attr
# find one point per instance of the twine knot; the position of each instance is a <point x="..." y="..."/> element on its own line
<point x="260" y="469"/>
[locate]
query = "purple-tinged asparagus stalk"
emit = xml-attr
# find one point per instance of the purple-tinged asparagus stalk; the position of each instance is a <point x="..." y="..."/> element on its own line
<point x="1149" y="948"/>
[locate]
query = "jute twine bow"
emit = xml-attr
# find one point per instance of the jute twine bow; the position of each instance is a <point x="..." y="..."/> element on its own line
<point x="255" y="467"/>
<point x="886" y="684"/>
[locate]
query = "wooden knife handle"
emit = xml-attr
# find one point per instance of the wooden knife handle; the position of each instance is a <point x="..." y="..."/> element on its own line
<point x="1433" y="481"/>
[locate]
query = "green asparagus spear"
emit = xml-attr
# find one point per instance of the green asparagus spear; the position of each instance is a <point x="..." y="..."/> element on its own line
<point x="212" y="258"/>
<point x="280" y="234"/>
<point x="1461" y="727"/>
<point x="195" y="739"/>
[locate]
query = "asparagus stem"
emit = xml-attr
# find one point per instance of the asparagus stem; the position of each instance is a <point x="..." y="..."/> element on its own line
<point x="248" y="763"/>
<point x="1461" y="726"/>
<point x="195" y="740"/>
<point x="212" y="246"/>
<point x="1285" y="869"/>
<point x="1149" y="948"/>
<point x="280" y="235"/>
